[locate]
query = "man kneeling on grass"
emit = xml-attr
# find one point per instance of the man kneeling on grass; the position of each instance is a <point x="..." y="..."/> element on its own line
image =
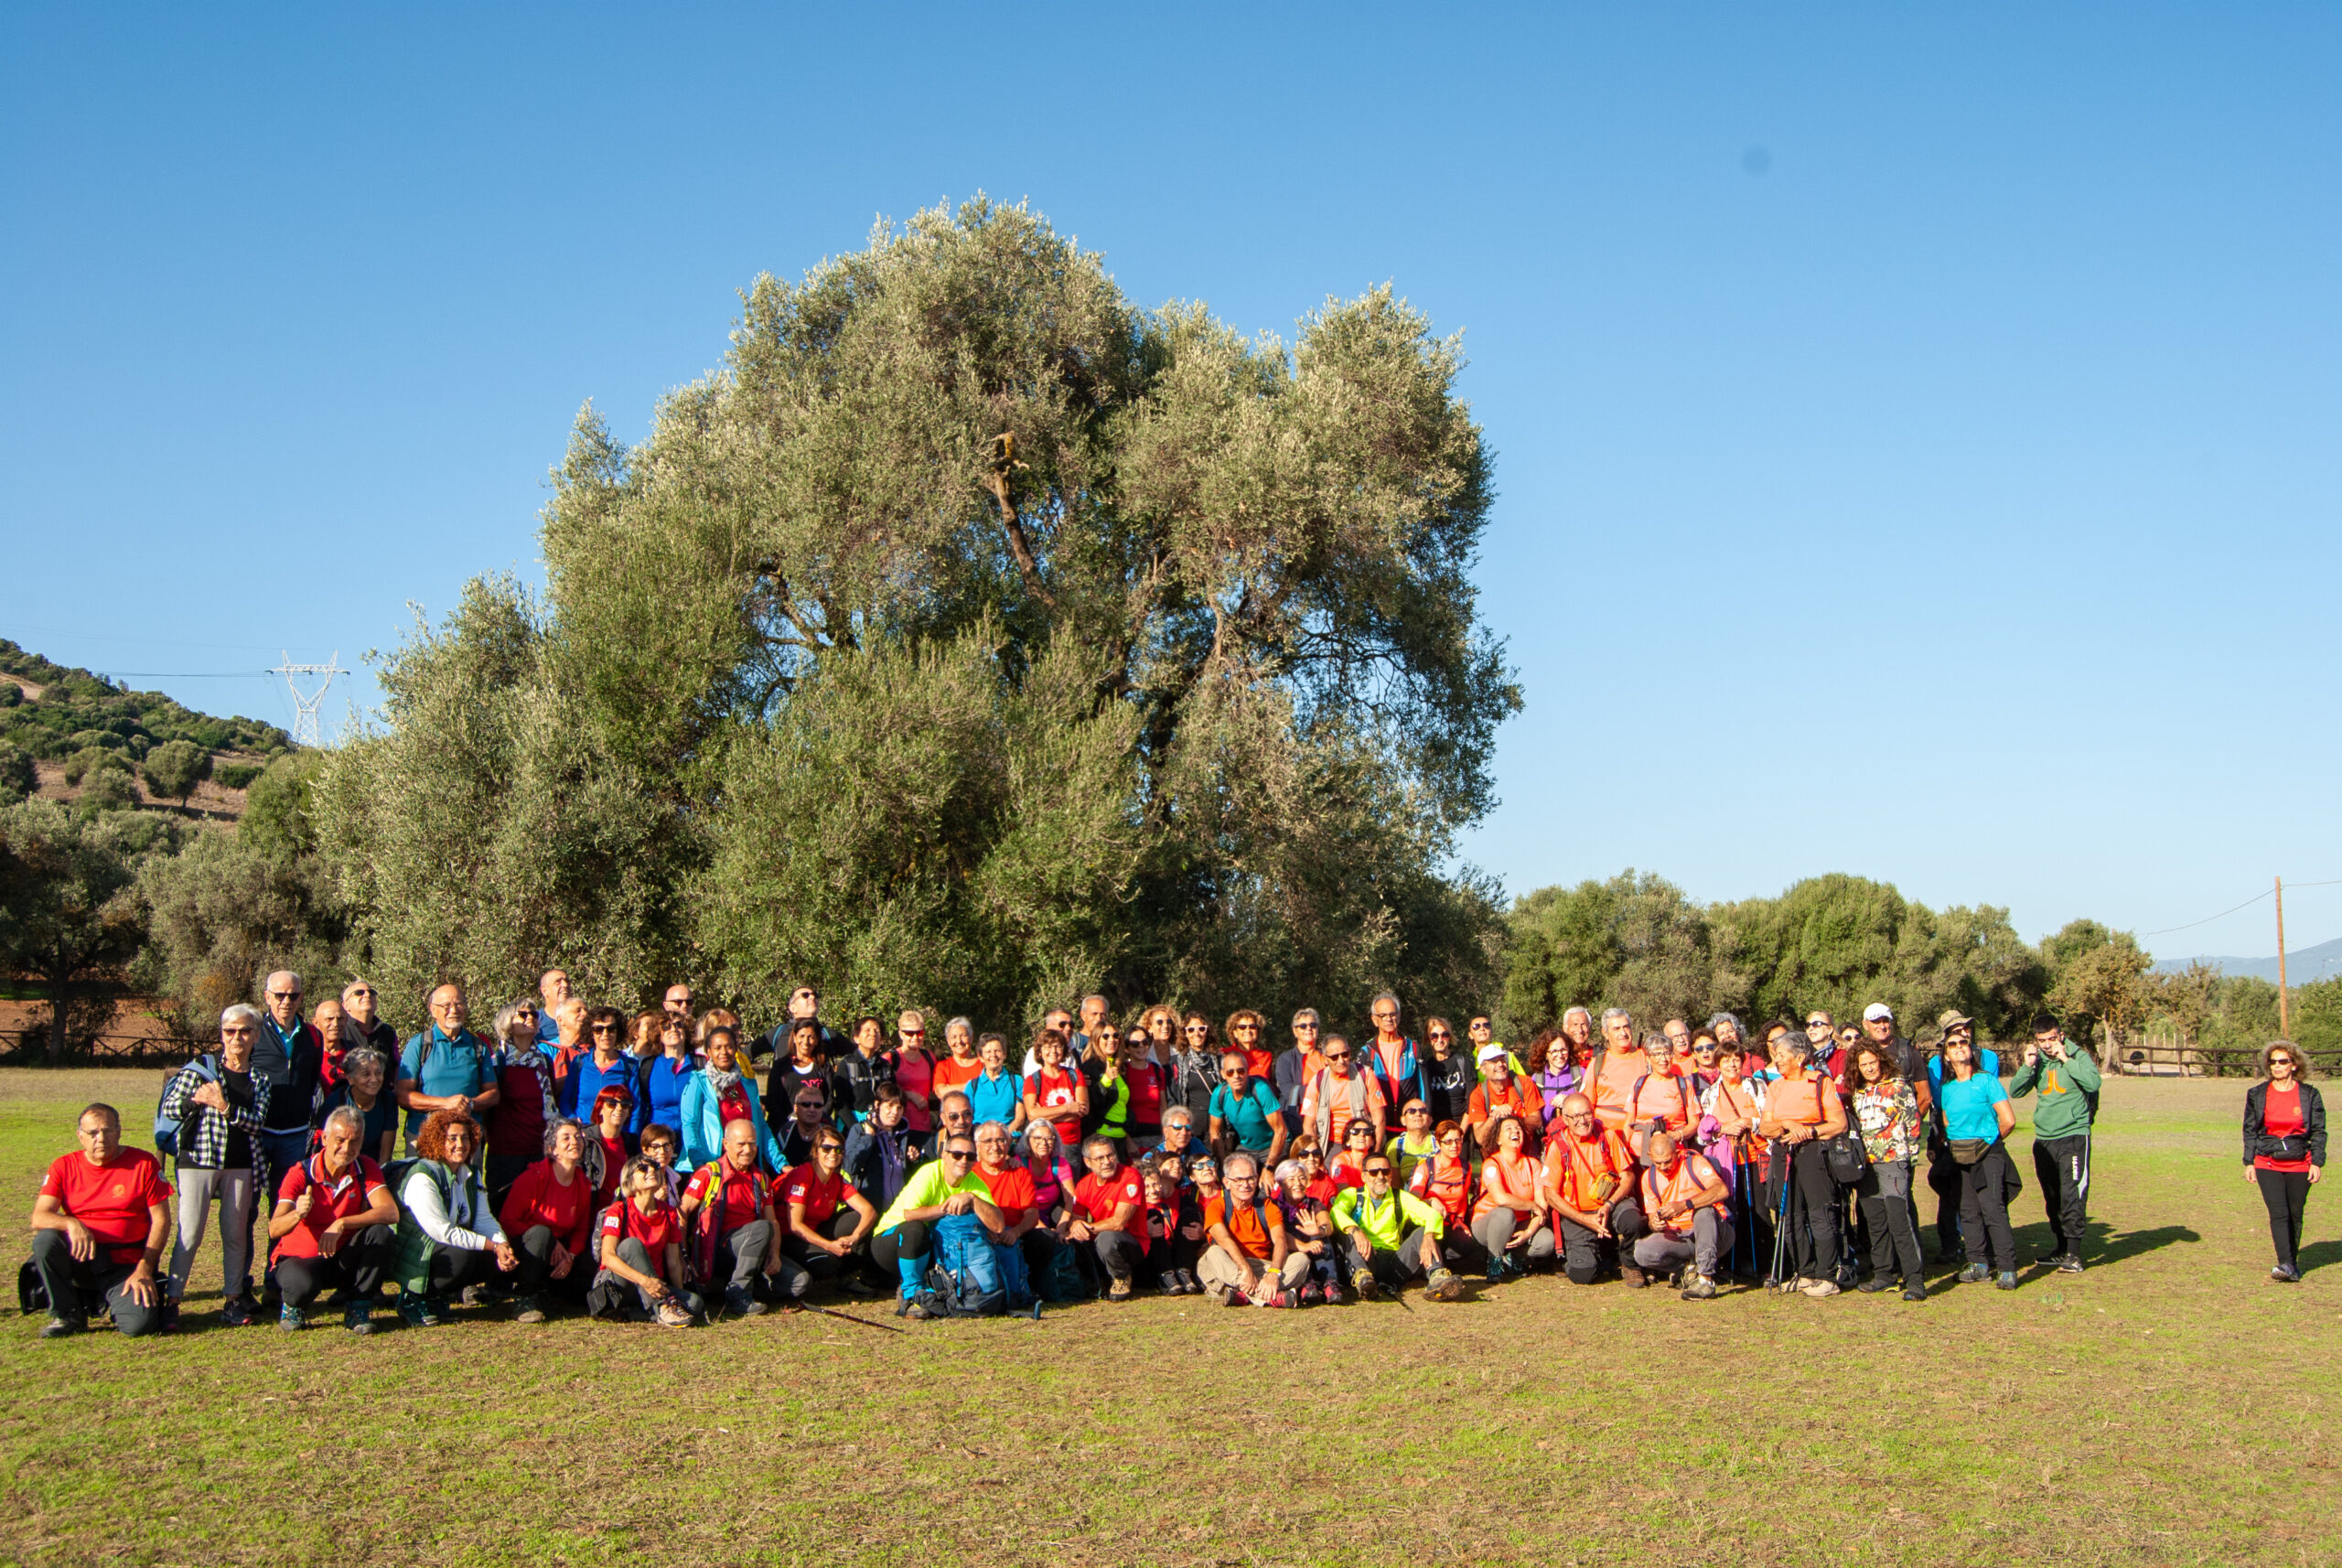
<point x="1250" y="1261"/>
<point x="98" y="1225"/>
<point x="736" y="1237"/>
<point x="1684" y="1200"/>
<point x="332" y="1226"/>
<point x="1370" y="1219"/>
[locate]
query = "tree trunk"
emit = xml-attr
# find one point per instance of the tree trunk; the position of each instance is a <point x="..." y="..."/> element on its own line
<point x="60" y="995"/>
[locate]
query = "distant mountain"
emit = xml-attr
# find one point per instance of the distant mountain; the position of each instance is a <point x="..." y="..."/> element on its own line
<point x="2323" y="961"/>
<point x="55" y="712"/>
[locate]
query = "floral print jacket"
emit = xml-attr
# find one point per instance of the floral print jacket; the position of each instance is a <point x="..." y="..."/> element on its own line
<point x="1889" y="1122"/>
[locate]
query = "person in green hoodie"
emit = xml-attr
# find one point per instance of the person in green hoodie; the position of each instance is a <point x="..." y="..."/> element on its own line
<point x="2066" y="1080"/>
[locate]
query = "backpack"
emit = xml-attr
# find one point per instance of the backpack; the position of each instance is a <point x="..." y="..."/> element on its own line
<point x="167" y="1128"/>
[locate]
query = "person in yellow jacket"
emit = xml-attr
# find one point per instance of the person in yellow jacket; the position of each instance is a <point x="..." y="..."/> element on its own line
<point x="1371" y="1219"/>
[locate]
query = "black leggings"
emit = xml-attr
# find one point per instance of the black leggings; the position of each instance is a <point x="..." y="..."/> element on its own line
<point x="1984" y="1211"/>
<point x="2287" y="1194"/>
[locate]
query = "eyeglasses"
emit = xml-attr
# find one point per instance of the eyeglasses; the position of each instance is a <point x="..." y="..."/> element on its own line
<point x="242" y="1031"/>
<point x="959" y="1153"/>
<point x="361" y="991"/>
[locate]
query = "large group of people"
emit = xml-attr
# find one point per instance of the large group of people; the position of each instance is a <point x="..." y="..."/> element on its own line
<point x="575" y="1158"/>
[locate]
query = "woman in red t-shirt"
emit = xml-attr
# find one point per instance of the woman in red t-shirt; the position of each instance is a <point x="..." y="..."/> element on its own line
<point x="1447" y="1181"/>
<point x="961" y="1063"/>
<point x="549" y="1215"/>
<point x="1349" y="1165"/>
<point x="915" y="1072"/>
<point x="1056" y="1093"/>
<point x="640" y="1245"/>
<point x="2285" y="1149"/>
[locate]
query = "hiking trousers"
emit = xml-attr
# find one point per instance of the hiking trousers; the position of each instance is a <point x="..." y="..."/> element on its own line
<point x="2063" y="1166"/>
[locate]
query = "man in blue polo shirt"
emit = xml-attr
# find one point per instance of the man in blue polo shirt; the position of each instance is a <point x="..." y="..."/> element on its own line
<point x="445" y="1068"/>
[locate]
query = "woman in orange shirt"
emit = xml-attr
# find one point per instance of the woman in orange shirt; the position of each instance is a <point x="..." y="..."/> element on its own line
<point x="1510" y="1220"/>
<point x="1802" y="1112"/>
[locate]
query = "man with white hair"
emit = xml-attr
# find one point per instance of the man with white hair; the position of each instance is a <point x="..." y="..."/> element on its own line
<point x="553" y="989"/>
<point x="332" y="1226"/>
<point x="290" y="1054"/>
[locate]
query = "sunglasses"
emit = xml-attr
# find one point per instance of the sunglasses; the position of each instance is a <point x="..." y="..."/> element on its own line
<point x="1199" y="1028"/>
<point x="912" y="1034"/>
<point x="606" y="1028"/>
<point x="1382" y="1171"/>
<point x="361" y="991"/>
<point x="959" y="1153"/>
<point x="1337" y="1056"/>
<point x="524" y="1012"/>
<point x="1441" y="1035"/>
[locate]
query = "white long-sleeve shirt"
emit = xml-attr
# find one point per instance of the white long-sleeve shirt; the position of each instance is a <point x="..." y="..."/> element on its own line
<point x="471" y="1226"/>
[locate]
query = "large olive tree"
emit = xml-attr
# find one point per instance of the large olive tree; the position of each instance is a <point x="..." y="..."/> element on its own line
<point x="975" y="637"/>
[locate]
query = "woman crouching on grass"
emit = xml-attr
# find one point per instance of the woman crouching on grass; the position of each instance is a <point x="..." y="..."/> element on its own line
<point x="641" y="1251"/>
<point x="2285" y="1148"/>
<point x="448" y="1236"/>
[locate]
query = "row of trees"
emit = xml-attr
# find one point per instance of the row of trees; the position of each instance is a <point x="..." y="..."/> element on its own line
<point x="1841" y="942"/>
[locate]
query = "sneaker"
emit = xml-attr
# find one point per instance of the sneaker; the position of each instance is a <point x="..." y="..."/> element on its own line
<point x="1636" y="1279"/>
<point x="416" y="1311"/>
<point x="740" y="1302"/>
<point x="166" y="1318"/>
<point x="2287" y="1274"/>
<point x="858" y="1286"/>
<point x="1280" y="1298"/>
<point x="62" y="1328"/>
<point x="1874" y="1285"/>
<point x="1702" y="1288"/>
<point x="916" y="1309"/>
<point x="1118" y="1291"/>
<point x="671" y="1316"/>
<point x="236" y="1311"/>
<point x="1225" y="1295"/>
<point x="289" y="1318"/>
<point x="1820" y="1290"/>
<point x="1188" y="1283"/>
<point x="474" y="1295"/>
<point x="1171" y="1285"/>
<point x="1974" y="1274"/>
<point x="2071" y="1263"/>
<point x="1915" y="1292"/>
<point x="526" y="1310"/>
<point x="356" y="1318"/>
<point x="2007" y="1280"/>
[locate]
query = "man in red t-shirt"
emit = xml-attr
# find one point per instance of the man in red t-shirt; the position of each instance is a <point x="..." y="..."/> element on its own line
<point x="1110" y="1214"/>
<point x="331" y="1224"/>
<point x="736" y="1237"/>
<point x="823" y="1218"/>
<point x="99" y="1226"/>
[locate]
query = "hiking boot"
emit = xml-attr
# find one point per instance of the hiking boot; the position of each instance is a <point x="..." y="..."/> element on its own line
<point x="1974" y="1274"/>
<point x="2071" y="1263"/>
<point x="741" y="1302"/>
<point x="671" y="1316"/>
<point x="1702" y="1288"/>
<point x="1442" y="1286"/>
<point x="166" y="1318"/>
<point x="1331" y="1293"/>
<point x="1118" y="1291"/>
<point x="1280" y="1298"/>
<point x="1188" y="1283"/>
<point x="416" y="1311"/>
<point x="1634" y="1277"/>
<point x="1171" y="1285"/>
<point x="236" y="1311"/>
<point x="1875" y="1284"/>
<point x="356" y="1318"/>
<point x="63" y="1327"/>
<point x="1369" y="1287"/>
<point x="526" y="1310"/>
<point x="858" y="1286"/>
<point x="1225" y="1295"/>
<point x="2285" y="1273"/>
<point x="289" y="1318"/>
<point x="916" y="1309"/>
<point x="1819" y="1290"/>
<point x="474" y="1295"/>
<point x="1915" y="1292"/>
<point x="2007" y="1280"/>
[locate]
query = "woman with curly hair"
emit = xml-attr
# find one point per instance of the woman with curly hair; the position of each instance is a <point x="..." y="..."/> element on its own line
<point x="448" y="1236"/>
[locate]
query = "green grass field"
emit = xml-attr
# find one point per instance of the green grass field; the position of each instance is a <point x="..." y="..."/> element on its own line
<point x="2170" y="1406"/>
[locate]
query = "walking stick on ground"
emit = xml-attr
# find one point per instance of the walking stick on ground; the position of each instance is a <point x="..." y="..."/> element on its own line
<point x="1782" y="1222"/>
<point x="849" y="1317"/>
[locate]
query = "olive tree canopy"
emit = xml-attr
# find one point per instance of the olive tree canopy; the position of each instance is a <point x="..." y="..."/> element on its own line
<point x="970" y="636"/>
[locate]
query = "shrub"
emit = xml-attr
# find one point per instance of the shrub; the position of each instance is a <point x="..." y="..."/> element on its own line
<point x="109" y="789"/>
<point x="91" y="759"/>
<point x="18" y="777"/>
<point x="236" y="775"/>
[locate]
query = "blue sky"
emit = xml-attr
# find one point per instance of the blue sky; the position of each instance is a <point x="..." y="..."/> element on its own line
<point x="1917" y="433"/>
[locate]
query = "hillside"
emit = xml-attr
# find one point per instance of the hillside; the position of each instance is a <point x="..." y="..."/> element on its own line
<point x="72" y="725"/>
<point x="2303" y="966"/>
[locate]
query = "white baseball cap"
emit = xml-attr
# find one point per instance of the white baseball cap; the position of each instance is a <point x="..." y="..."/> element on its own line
<point x="1877" y="1010"/>
<point x="1491" y="1052"/>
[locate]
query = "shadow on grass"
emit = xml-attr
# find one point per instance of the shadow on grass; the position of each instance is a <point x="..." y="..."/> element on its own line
<point x="2319" y="1255"/>
<point x="2112" y="1247"/>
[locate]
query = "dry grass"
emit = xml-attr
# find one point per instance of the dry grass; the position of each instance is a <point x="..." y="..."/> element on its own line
<point x="2170" y="1406"/>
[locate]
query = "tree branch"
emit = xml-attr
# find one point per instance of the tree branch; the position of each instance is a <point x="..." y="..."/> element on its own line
<point x="1004" y="467"/>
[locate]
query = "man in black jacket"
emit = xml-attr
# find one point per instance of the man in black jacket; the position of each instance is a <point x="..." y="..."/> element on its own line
<point x="289" y="1054"/>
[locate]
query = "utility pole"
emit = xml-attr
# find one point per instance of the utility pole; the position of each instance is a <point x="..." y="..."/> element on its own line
<point x="306" y="705"/>
<point x="2285" y="1026"/>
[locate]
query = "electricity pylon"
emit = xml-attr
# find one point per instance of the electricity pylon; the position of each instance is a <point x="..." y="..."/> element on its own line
<point x="304" y="706"/>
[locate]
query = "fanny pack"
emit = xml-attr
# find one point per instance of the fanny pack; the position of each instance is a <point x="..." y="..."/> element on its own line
<point x="1969" y="1151"/>
<point x="2293" y="1146"/>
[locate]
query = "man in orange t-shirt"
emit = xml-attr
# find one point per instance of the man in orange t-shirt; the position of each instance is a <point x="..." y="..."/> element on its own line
<point x="1248" y="1259"/>
<point x="1689" y="1209"/>
<point x="1590" y="1186"/>
<point x="1617" y="1064"/>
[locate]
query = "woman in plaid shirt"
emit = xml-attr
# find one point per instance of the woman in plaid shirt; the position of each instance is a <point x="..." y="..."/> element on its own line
<point x="219" y="1101"/>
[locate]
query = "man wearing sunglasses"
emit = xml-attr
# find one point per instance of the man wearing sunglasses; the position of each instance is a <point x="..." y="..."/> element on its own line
<point x="1342" y="1092"/>
<point x="1245" y="1113"/>
<point x="604" y="1063"/>
<point x="1372" y="1217"/>
<point x="945" y="1188"/>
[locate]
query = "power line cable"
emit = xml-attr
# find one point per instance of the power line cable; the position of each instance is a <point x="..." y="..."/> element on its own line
<point x="2224" y="914"/>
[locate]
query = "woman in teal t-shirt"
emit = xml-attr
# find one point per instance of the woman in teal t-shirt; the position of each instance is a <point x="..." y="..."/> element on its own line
<point x="1977" y="1118"/>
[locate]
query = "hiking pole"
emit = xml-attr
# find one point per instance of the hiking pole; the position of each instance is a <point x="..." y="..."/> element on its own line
<point x="1780" y="1225"/>
<point x="849" y="1317"/>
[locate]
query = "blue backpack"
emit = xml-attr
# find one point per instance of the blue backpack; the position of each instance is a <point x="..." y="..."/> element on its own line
<point x="167" y="1128"/>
